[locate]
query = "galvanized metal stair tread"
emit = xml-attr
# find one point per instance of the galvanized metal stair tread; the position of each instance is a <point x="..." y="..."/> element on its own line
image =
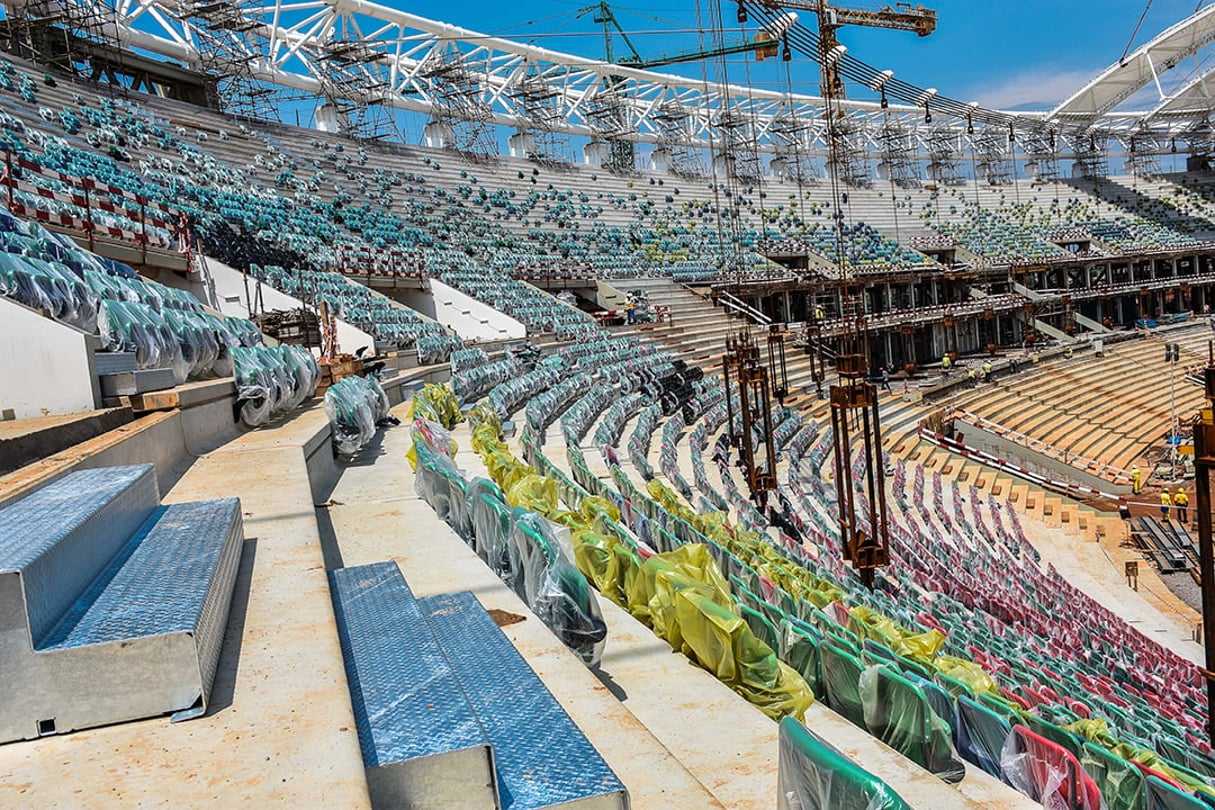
<point x="407" y="701"/>
<point x="31" y="526"/>
<point x="158" y="583"/>
<point x="542" y="758"/>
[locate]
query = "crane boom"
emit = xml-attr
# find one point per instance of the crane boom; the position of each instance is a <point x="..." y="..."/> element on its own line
<point x="900" y="17"/>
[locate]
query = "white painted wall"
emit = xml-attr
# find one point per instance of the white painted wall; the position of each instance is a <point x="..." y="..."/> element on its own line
<point x="46" y="367"/>
<point x="227" y="288"/>
<point x="471" y="319"/>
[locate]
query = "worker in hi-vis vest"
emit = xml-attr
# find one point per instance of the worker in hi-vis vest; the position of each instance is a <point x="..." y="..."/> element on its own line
<point x="1136" y="479"/>
<point x="946" y="362"/>
<point x="1182" y="502"/>
<point x="1166" y="501"/>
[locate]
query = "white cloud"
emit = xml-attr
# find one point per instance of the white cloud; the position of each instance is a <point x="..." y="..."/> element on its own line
<point x="1036" y="87"/>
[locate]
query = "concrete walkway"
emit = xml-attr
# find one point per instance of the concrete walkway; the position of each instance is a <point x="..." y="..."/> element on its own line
<point x="280" y="730"/>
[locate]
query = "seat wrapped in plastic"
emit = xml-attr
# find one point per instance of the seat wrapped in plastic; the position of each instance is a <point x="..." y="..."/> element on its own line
<point x="813" y="775"/>
<point x="554" y="589"/>
<point x="354" y="405"/>
<point x="1047" y="772"/>
<point x="1121" y="784"/>
<point x="897" y="713"/>
<point x="1163" y="796"/>
<point x="491" y="519"/>
<point x="841" y="682"/>
<point x="981" y="734"/>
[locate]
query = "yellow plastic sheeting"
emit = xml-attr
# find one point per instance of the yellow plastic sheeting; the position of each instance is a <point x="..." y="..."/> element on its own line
<point x="752" y="549"/>
<point x="922" y="647"/>
<point x="721" y="642"/>
<point x="437" y="403"/>
<point x="706" y="628"/>
<point x="651" y="594"/>
<point x="968" y="672"/>
<point x="1098" y="731"/>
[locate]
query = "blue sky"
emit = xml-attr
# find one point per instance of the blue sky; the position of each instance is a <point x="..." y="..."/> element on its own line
<point x="1002" y="53"/>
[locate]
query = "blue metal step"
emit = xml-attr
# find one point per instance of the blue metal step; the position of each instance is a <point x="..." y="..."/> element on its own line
<point x="159" y="582"/>
<point x="422" y="744"/>
<point x="542" y="758"/>
<point x="59" y="537"/>
<point x="111" y="608"/>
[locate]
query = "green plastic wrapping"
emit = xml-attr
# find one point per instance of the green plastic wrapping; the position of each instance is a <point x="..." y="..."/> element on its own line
<point x="815" y="776"/>
<point x="841" y="681"/>
<point x="898" y="714"/>
<point x="1121" y="783"/>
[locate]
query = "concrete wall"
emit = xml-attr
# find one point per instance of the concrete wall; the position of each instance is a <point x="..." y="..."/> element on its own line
<point x="225" y="290"/>
<point x="46" y="367"/>
<point x="609" y="297"/>
<point x="980" y="439"/>
<point x="470" y="318"/>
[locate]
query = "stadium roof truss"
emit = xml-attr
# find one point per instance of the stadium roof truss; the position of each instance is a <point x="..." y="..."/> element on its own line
<point x="1096" y="103"/>
<point x="393" y="54"/>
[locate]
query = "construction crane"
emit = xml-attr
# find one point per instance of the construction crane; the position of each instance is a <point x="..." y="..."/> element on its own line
<point x="764" y="46"/>
<point x="856" y="427"/>
<point x="899" y="17"/>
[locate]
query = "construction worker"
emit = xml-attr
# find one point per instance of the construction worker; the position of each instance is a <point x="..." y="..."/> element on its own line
<point x="1182" y="502"/>
<point x="987" y="371"/>
<point x="1069" y="353"/>
<point x="946" y="364"/>
<point x="819" y="314"/>
<point x="1136" y="479"/>
<point x="973" y="376"/>
<point x="1166" y="501"/>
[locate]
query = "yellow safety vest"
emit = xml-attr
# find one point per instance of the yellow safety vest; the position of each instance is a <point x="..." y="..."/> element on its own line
<point x="1181" y="499"/>
<point x="1165" y="500"/>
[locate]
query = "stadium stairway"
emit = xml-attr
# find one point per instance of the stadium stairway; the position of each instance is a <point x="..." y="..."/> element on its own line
<point x="94" y="632"/>
<point x="449" y="714"/>
<point x="279" y="727"/>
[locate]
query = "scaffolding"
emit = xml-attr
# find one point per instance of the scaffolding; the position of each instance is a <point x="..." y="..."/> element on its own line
<point x="945" y="156"/>
<point x="65" y="34"/>
<point x="607" y="114"/>
<point x="792" y="148"/>
<point x="738" y="150"/>
<point x="459" y="108"/>
<point x="993" y="161"/>
<point x="1092" y="157"/>
<point x="898" y="161"/>
<point x="849" y="161"/>
<point x="1143" y="155"/>
<point x="228" y="45"/>
<point x="542" y="115"/>
<point x="674" y="124"/>
<point x="1041" y="156"/>
<point x="355" y="89"/>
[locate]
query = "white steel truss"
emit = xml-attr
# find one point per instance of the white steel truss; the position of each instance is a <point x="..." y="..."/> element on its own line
<point x="371" y="53"/>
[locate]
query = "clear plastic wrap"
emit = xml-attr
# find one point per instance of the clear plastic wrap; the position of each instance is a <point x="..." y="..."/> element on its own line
<point x="898" y="714"/>
<point x="1047" y="772"/>
<point x="815" y="776"/>
<point x="354" y="405"/>
<point x="554" y="589"/>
